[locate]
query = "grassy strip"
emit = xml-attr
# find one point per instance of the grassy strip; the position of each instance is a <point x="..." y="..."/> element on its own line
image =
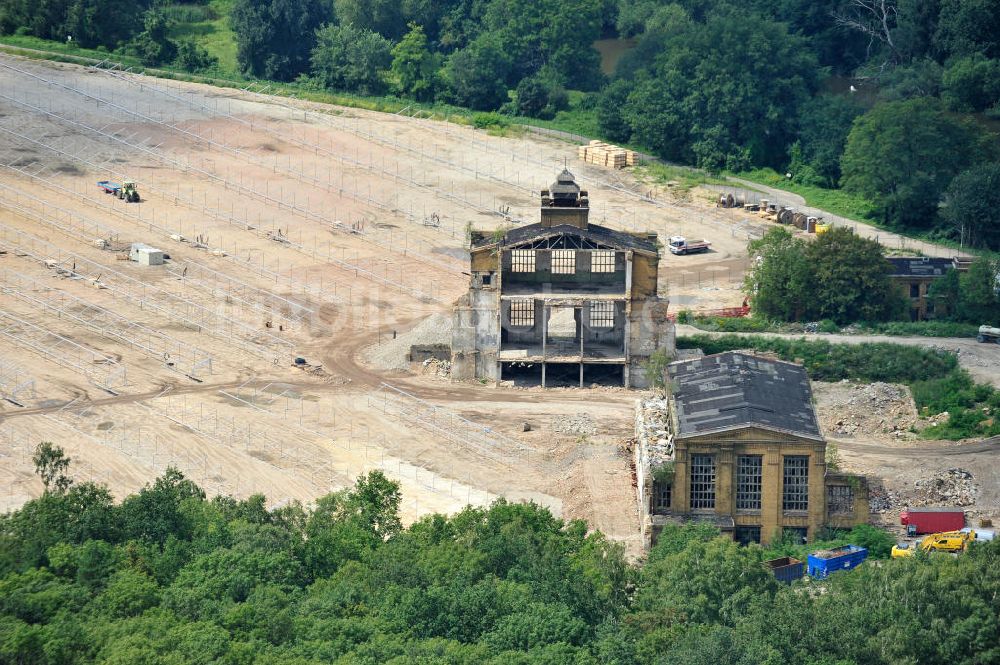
<point x="878" y="361"/>
<point x="934" y="377"/>
<point x="891" y="328"/>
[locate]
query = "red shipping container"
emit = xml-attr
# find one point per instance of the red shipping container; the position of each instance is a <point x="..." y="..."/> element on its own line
<point x="933" y="520"/>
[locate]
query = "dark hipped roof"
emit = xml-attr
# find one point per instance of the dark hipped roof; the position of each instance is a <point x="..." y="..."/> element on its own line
<point x="920" y="266"/>
<point x="732" y="390"/>
<point x="598" y="234"/>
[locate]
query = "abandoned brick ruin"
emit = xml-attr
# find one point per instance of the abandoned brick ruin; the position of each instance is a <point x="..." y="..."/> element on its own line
<point x="561" y="302"/>
<point x="736" y="443"/>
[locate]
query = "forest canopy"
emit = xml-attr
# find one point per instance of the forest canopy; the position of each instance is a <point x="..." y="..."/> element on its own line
<point x="169" y="576"/>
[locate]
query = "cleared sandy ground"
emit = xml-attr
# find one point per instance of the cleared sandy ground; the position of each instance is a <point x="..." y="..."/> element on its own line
<point x="294" y="231"/>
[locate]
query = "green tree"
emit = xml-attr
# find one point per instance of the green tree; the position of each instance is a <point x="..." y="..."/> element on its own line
<point x="824" y="121"/>
<point x="476" y="75"/>
<point x="351" y="58"/>
<point x="850" y="279"/>
<point x="382" y="16"/>
<point x="699" y="98"/>
<point x="151" y="45"/>
<point x="274" y="38"/>
<point x="779" y="280"/>
<point x="967" y="27"/>
<point x="980" y="302"/>
<point x="971" y="83"/>
<point x="414" y="68"/>
<point x="194" y="58"/>
<point x="51" y="465"/>
<point x="902" y="156"/>
<point x="972" y="207"/>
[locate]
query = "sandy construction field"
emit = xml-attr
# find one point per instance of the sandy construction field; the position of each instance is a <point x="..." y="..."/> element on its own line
<point x="294" y="231"/>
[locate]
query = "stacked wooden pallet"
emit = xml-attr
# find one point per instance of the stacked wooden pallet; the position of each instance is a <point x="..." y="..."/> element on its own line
<point x="605" y="154"/>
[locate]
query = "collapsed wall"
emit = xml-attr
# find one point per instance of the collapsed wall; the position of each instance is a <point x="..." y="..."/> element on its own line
<point x="654" y="450"/>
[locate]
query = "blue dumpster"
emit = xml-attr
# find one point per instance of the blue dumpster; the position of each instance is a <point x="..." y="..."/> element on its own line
<point x="824" y="562"/>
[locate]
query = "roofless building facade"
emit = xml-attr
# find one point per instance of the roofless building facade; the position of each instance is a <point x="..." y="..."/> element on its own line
<point x="562" y="301"/>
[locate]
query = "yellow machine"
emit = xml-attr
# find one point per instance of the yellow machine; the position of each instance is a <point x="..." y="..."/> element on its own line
<point x="946" y="541"/>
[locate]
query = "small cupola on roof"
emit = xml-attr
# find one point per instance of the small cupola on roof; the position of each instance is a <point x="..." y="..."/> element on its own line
<point x="565" y="203"/>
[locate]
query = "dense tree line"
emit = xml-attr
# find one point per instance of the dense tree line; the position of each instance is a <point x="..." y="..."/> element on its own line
<point x="169" y="576"/>
<point x="129" y="27"/>
<point x="894" y="100"/>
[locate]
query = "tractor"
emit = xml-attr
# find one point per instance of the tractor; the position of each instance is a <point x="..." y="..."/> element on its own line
<point x="128" y="192"/>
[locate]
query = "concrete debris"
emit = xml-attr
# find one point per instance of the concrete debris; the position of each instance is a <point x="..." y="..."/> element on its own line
<point x="880" y="499"/>
<point x="954" y="487"/>
<point x="436" y="367"/>
<point x="651" y="427"/>
<point x="392" y="354"/>
<point x="875" y="409"/>
<point x="580" y="424"/>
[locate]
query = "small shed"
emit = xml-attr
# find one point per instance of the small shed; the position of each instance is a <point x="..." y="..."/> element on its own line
<point x="145" y="255"/>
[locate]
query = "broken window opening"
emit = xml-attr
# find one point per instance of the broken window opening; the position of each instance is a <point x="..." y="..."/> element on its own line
<point x="661" y="496"/>
<point x="795" y="495"/>
<point x="702" y="482"/>
<point x="840" y="499"/>
<point x="749" y="471"/>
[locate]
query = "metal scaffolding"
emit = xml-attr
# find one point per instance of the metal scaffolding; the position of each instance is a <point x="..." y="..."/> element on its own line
<point x="103" y="370"/>
<point x="175" y="354"/>
<point x="147" y="296"/>
<point x="15" y="382"/>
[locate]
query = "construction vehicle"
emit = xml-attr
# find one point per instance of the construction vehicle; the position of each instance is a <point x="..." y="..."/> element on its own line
<point x="680" y="245"/>
<point x="127" y="191"/>
<point x="946" y="541"/>
<point x="988" y="334"/>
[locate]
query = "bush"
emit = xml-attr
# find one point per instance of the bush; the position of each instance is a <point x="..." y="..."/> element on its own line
<point x="194" y="58"/>
<point x="488" y="120"/>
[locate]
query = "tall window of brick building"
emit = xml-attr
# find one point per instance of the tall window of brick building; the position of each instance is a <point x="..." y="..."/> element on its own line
<point x="563" y="261"/>
<point x="795" y="495"/>
<point x="748" y="482"/>
<point x="702" y="482"/>
<point x="522" y="260"/>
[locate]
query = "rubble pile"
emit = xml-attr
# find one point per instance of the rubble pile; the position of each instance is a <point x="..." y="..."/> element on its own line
<point x="651" y="427"/>
<point x="953" y="487"/>
<point x="435" y="367"/>
<point x="869" y="409"/>
<point x="580" y="424"/>
<point x="882" y="500"/>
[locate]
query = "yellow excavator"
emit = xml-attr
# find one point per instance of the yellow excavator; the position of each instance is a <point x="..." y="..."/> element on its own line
<point x="946" y="541"/>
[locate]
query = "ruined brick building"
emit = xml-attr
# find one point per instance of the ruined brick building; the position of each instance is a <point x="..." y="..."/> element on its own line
<point x="562" y="301"/>
<point x="736" y="443"/>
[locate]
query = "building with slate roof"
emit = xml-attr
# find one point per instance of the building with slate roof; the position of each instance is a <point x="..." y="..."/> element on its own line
<point x="561" y="301"/>
<point x="915" y="274"/>
<point x="741" y="448"/>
